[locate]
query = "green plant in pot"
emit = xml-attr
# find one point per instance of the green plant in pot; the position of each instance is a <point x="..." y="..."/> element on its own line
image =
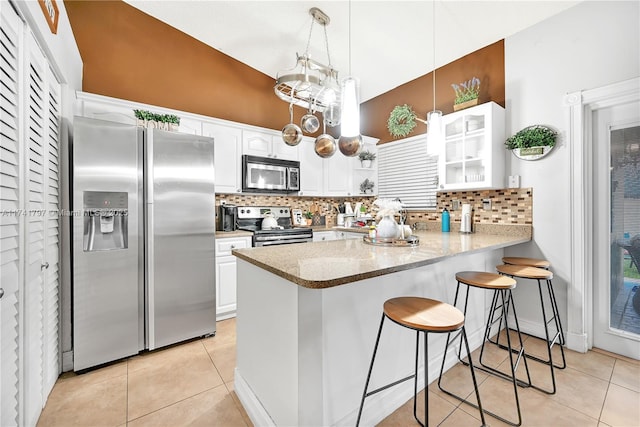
<point x="467" y="94"/>
<point x="366" y="157"/>
<point x="366" y="186"/>
<point x="532" y="140"/>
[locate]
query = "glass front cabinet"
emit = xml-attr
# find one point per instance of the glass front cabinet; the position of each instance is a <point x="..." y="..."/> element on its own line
<point x="473" y="152"/>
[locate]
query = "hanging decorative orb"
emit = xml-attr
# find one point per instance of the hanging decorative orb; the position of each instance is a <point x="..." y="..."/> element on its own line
<point x="350" y="146"/>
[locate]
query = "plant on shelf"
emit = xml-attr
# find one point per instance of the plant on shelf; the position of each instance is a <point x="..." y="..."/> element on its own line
<point x="466" y="93"/>
<point x="309" y="217"/>
<point x="532" y="140"/>
<point x="161" y="121"/>
<point x="402" y="121"/>
<point x="366" y="186"/>
<point x="366" y="157"/>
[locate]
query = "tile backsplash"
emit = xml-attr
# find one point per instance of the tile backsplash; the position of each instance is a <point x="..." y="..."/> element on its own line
<point x="511" y="206"/>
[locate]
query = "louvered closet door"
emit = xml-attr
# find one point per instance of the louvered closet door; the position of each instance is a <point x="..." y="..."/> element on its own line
<point x="35" y="128"/>
<point x="11" y="202"/>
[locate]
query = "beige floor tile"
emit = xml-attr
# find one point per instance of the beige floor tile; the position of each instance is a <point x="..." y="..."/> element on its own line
<point x="580" y="391"/>
<point x="243" y="412"/>
<point x="439" y="409"/>
<point x="96" y="375"/>
<point x="169" y="376"/>
<point x="77" y="402"/>
<point x="224" y="359"/>
<point x="457" y="380"/>
<point x="225" y="335"/>
<point x="538" y="347"/>
<point x="627" y="375"/>
<point x="592" y="363"/>
<point x="601" y="424"/>
<point x="621" y="407"/>
<point x="213" y="407"/>
<point x="461" y="417"/>
<point x="616" y="356"/>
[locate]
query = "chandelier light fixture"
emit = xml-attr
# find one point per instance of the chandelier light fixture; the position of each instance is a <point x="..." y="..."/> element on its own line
<point x="434" y="117"/>
<point x="311" y="84"/>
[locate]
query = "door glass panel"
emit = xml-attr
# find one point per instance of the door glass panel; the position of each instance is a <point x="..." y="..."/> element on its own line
<point x="625" y="230"/>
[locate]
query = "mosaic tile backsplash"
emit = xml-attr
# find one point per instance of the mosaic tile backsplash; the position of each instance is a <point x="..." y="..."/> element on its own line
<point x="508" y="206"/>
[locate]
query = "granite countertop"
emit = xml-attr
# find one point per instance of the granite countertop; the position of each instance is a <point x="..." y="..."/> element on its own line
<point x="351" y="260"/>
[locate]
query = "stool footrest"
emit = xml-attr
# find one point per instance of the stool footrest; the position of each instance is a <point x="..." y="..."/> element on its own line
<point x="390" y="385"/>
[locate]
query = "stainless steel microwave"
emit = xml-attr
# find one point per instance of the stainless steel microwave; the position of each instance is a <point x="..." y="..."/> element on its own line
<point x="268" y="175"/>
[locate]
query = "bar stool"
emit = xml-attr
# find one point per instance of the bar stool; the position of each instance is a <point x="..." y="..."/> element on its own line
<point x="542" y="263"/>
<point x="540" y="274"/>
<point x="502" y="302"/>
<point x="427" y="316"/>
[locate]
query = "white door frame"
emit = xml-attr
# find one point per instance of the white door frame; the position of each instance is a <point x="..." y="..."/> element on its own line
<point x="579" y="112"/>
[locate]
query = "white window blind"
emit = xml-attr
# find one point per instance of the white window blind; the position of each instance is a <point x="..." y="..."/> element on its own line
<point x="407" y="172"/>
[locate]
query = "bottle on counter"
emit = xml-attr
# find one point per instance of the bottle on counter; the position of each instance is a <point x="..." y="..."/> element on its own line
<point x="445" y="221"/>
<point x="372" y="232"/>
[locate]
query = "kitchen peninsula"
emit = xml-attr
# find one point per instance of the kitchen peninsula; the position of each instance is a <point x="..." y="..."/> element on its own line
<point x="308" y="316"/>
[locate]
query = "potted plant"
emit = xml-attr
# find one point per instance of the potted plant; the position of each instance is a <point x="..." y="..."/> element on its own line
<point x="366" y="157"/>
<point x="154" y="120"/>
<point x="309" y="217"/>
<point x="466" y="94"/>
<point x="366" y="186"/>
<point x="532" y="142"/>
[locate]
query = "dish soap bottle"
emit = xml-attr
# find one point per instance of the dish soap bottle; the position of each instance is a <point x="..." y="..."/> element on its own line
<point x="445" y="221"/>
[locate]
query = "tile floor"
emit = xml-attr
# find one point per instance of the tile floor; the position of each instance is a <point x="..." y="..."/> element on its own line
<point x="192" y="385"/>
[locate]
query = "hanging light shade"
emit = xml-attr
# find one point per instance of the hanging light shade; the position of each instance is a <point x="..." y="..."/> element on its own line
<point x="434" y="117"/>
<point x="350" y="143"/>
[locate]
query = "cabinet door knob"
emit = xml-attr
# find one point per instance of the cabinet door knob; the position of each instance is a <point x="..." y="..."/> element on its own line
<point x="1" y="292"/>
<point x="43" y="266"/>
<point x="233" y="246"/>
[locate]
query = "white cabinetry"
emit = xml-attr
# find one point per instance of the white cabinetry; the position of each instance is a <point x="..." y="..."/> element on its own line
<point x="361" y="173"/>
<point x="473" y="152"/>
<point x="343" y="235"/>
<point x="226" y="275"/>
<point x="311" y="169"/>
<point x="267" y="144"/>
<point x="338" y="176"/>
<point x="320" y="236"/>
<point x="227" y="155"/>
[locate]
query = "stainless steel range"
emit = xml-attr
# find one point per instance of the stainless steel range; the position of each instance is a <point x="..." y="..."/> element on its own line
<point x="250" y="218"/>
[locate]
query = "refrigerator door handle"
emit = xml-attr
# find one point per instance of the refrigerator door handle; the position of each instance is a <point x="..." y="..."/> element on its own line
<point x="149" y="249"/>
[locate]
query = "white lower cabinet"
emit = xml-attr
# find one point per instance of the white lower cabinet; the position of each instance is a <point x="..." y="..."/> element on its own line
<point x="343" y="235"/>
<point x="319" y="236"/>
<point x="226" y="275"/>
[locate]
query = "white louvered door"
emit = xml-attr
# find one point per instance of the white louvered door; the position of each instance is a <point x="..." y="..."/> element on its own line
<point x="29" y="223"/>
<point x="42" y="123"/>
<point x="11" y="220"/>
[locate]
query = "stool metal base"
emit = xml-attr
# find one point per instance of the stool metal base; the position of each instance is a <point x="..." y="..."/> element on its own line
<point x="502" y="302"/>
<point x="558" y="337"/>
<point x="463" y="336"/>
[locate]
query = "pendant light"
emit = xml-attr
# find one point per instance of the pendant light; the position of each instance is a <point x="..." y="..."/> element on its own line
<point x="350" y="142"/>
<point x="434" y="118"/>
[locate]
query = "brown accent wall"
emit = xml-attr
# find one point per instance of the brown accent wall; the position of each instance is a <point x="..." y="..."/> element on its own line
<point x="487" y="64"/>
<point x="128" y="54"/>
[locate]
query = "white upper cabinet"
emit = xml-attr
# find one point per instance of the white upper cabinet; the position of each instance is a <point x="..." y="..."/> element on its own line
<point x="472" y="153"/>
<point x="267" y="144"/>
<point x="338" y="175"/>
<point x="227" y="156"/>
<point x="311" y="169"/>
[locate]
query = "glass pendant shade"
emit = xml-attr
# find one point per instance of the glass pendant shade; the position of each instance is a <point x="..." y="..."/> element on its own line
<point x="350" y="143"/>
<point x="434" y="124"/>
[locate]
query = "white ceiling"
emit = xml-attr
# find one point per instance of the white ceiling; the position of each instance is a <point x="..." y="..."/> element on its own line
<point x="392" y="42"/>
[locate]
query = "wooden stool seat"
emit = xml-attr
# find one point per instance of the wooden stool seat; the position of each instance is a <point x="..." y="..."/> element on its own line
<point x="525" y="272"/>
<point x="424" y="314"/>
<point x="529" y="262"/>
<point x="486" y="280"/>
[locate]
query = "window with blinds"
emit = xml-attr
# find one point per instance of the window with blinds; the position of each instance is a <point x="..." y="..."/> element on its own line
<point x="406" y="171"/>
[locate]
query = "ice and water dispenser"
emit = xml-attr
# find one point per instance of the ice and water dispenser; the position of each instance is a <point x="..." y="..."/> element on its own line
<point x="105" y="220"/>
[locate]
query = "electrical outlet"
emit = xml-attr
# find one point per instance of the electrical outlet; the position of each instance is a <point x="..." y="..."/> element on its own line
<point x="514" y="181"/>
<point x="486" y="204"/>
<point x="455" y="205"/>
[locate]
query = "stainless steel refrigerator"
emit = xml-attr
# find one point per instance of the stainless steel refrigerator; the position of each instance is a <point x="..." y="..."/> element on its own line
<point x="143" y="240"/>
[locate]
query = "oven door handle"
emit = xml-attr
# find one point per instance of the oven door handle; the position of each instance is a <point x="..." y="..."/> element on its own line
<point x="283" y="242"/>
<point x="283" y="237"/>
